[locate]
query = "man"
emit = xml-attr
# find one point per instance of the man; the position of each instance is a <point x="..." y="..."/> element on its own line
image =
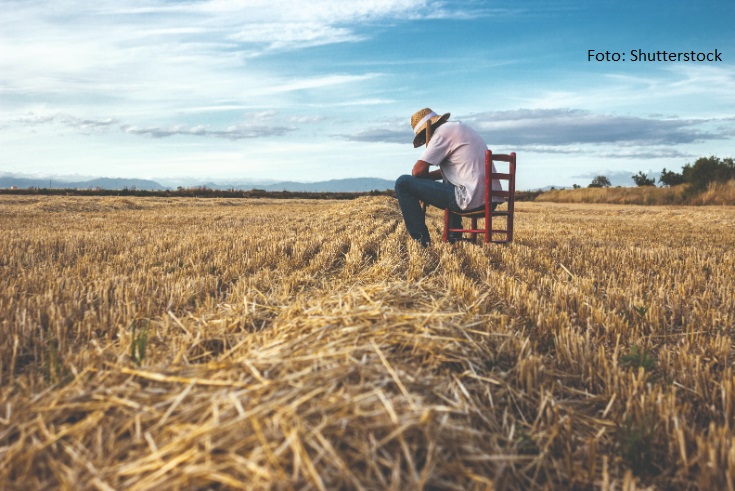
<point x="459" y="151"/>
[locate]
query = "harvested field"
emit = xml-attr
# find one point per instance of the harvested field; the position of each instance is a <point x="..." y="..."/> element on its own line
<point x="154" y="343"/>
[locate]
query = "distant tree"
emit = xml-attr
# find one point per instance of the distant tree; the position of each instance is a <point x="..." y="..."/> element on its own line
<point x="600" y="182"/>
<point x="642" y="179"/>
<point x="670" y="178"/>
<point x="706" y="170"/>
<point x="576" y="186"/>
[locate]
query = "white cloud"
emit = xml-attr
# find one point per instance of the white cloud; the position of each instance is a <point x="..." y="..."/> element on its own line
<point x="312" y="83"/>
<point x="82" y="124"/>
<point x="278" y="24"/>
<point x="325" y="11"/>
<point x="153" y="59"/>
<point x="692" y="90"/>
<point x="255" y="125"/>
<point x="564" y="129"/>
<point x="238" y="132"/>
<point x="574" y="126"/>
<point x="294" y="35"/>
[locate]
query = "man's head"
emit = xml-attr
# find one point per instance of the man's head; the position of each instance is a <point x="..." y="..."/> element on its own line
<point x="420" y="119"/>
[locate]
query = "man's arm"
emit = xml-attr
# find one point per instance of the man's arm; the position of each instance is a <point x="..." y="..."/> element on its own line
<point x="421" y="170"/>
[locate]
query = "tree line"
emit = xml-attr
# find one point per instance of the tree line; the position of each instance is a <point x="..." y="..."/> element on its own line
<point x="698" y="175"/>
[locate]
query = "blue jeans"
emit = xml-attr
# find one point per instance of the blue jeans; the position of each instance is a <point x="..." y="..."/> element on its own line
<point x="410" y="190"/>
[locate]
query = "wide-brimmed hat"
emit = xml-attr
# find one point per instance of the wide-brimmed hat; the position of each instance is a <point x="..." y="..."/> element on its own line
<point x="419" y="121"/>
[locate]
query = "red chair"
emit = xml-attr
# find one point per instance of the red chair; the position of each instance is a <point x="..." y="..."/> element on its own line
<point x="485" y="211"/>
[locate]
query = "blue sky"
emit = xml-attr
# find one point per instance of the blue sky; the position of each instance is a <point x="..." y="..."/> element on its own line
<point x="285" y="90"/>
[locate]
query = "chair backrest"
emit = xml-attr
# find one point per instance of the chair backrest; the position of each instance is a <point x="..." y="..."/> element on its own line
<point x="510" y="193"/>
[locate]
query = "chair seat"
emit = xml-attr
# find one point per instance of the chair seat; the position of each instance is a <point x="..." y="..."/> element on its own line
<point x="479" y="213"/>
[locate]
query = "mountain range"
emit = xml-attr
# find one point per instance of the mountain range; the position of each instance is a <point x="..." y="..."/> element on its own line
<point x="352" y="185"/>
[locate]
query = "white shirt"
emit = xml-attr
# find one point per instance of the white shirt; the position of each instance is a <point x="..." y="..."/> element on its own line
<point x="459" y="151"/>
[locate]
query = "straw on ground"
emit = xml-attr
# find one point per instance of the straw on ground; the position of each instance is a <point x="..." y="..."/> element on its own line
<point x="257" y="344"/>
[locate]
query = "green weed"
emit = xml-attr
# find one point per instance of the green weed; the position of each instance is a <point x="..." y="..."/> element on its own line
<point x="138" y="342"/>
<point x="639" y="357"/>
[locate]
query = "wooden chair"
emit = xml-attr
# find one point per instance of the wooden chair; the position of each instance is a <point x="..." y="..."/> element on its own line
<point x="485" y="211"/>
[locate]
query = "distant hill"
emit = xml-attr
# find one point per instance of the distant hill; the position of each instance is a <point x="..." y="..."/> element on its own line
<point x="101" y="183"/>
<point x="352" y="185"/>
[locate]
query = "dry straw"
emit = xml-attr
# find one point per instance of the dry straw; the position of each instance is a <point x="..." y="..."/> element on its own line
<point x="237" y="344"/>
<point x="717" y="193"/>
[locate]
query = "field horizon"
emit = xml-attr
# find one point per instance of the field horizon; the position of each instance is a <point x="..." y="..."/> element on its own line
<point x="183" y="343"/>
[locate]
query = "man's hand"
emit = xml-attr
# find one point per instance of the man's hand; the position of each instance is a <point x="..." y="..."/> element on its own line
<point x="421" y="170"/>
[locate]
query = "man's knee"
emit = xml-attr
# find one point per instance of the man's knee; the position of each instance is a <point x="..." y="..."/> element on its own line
<point x="402" y="183"/>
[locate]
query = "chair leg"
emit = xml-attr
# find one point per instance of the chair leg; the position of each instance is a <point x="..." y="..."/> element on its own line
<point x="509" y="228"/>
<point x="489" y="227"/>
<point x="446" y="226"/>
<point x="510" y="223"/>
<point x="473" y="235"/>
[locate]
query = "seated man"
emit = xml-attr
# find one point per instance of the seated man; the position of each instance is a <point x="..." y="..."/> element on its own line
<point x="459" y="151"/>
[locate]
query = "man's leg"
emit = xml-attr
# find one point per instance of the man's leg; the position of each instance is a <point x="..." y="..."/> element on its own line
<point x="410" y="190"/>
<point x="455" y="221"/>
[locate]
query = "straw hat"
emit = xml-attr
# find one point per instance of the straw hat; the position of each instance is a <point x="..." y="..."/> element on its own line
<point x="418" y="123"/>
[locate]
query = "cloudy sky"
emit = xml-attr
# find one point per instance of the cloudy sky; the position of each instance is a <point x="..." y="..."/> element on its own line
<point x="324" y="89"/>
